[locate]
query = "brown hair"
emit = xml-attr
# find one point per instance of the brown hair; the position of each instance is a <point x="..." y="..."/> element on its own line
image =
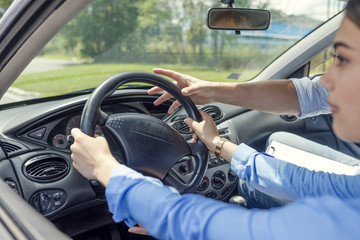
<point x="353" y="11"/>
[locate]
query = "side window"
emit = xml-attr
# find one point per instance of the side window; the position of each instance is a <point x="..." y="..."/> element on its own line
<point x="321" y="62"/>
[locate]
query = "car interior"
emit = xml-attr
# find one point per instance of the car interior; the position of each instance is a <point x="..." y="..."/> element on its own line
<point x="44" y="197"/>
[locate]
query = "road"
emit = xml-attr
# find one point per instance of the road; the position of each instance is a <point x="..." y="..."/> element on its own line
<point x="37" y="65"/>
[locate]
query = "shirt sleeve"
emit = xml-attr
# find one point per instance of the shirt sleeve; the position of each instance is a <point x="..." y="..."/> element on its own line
<point x="312" y="97"/>
<point x="167" y="215"/>
<point x="287" y="181"/>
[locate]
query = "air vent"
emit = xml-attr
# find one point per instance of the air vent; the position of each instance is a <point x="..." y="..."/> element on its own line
<point x="213" y="111"/>
<point x="12" y="148"/>
<point x="46" y="168"/>
<point x="178" y="118"/>
<point x="181" y="126"/>
<point x="9" y="148"/>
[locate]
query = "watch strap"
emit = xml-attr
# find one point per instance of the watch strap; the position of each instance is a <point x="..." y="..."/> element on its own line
<point x="219" y="146"/>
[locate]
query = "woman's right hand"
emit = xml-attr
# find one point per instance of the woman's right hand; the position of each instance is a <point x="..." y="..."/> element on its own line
<point x="205" y="130"/>
<point x="201" y="92"/>
<point x="92" y="157"/>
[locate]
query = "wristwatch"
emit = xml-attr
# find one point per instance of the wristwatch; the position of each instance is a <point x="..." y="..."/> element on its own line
<point x="219" y="145"/>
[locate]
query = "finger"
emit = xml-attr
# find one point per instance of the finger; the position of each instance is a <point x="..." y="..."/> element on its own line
<point x="168" y="73"/>
<point x="189" y="122"/>
<point x="204" y="115"/>
<point x="76" y="133"/>
<point x="174" y="106"/>
<point x="72" y="149"/>
<point x="195" y="138"/>
<point x="96" y="136"/>
<point x="138" y="230"/>
<point x="154" y="90"/>
<point x="163" y="98"/>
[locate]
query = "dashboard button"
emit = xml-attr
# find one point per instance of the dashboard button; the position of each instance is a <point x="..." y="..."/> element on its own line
<point x="13" y="186"/>
<point x="48" y="201"/>
<point x="231" y="175"/>
<point x="218" y="180"/>
<point x="204" y="184"/>
<point x="211" y="194"/>
<point x="226" y="190"/>
<point x="38" y="134"/>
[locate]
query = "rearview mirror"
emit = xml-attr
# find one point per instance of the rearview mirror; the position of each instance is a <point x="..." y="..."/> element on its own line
<point x="238" y="19"/>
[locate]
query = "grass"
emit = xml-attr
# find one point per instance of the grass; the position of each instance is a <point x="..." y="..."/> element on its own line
<point x="83" y="76"/>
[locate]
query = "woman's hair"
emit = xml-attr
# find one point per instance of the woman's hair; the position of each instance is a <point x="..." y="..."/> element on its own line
<point x="353" y="11"/>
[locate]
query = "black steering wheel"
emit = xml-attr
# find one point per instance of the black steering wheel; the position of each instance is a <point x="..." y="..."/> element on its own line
<point x="146" y="143"/>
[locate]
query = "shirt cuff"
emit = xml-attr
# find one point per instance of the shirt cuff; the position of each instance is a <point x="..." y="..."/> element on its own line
<point x="119" y="188"/>
<point x="121" y="179"/>
<point x="240" y="161"/>
<point x="122" y="170"/>
<point x="312" y="97"/>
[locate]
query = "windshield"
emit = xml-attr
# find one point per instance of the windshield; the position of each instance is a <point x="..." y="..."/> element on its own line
<point x="112" y="36"/>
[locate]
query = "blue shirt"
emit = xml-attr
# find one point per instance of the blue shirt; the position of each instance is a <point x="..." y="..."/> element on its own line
<point x="286" y="181"/>
<point x="328" y="205"/>
<point x="167" y="215"/>
<point x="312" y="97"/>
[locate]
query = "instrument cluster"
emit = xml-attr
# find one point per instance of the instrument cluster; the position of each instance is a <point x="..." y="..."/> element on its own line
<point x="60" y="135"/>
<point x="64" y="139"/>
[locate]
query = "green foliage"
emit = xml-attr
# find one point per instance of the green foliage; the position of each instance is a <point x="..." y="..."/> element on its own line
<point x="4" y="4"/>
<point x="100" y="26"/>
<point x="84" y="76"/>
<point x="153" y="31"/>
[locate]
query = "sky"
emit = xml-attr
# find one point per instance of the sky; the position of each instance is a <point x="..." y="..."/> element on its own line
<point x="319" y="9"/>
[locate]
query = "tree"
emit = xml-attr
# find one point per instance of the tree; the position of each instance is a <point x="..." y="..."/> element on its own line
<point x="101" y="26"/>
<point x="4" y="4"/>
<point x="152" y="21"/>
<point x="195" y="12"/>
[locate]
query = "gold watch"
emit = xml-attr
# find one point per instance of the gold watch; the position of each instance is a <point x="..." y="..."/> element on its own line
<point x="219" y="145"/>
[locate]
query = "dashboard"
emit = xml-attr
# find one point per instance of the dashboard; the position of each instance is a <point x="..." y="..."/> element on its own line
<point x="36" y="161"/>
<point x="56" y="132"/>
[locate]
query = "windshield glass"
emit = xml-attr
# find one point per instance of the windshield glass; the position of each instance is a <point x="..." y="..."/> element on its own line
<point x="112" y="36"/>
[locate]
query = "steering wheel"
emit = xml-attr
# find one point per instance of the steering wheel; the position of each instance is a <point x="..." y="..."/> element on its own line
<point x="146" y="143"/>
